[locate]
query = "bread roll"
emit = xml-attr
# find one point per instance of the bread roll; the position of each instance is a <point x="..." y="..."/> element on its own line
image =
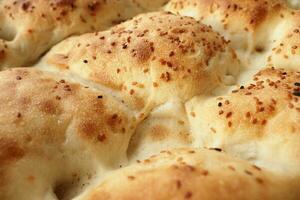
<point x="30" y="27"/>
<point x="193" y="174"/>
<point x="148" y="60"/>
<point x="56" y="136"/>
<point x="244" y="23"/>
<point x="285" y="51"/>
<point x="266" y="32"/>
<point x="258" y="121"/>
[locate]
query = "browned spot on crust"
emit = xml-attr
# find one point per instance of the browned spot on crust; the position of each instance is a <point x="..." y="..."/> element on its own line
<point x="139" y="102"/>
<point x="48" y="107"/>
<point x="10" y="151"/>
<point x="105" y="79"/>
<point x="2" y="54"/>
<point x="25" y="5"/>
<point x="258" y="15"/>
<point x="94" y="7"/>
<point x="87" y="128"/>
<point x="24" y="102"/>
<point x="101" y="137"/>
<point x="188" y="195"/>
<point x="64" y="2"/>
<point x="143" y="51"/>
<point x="159" y="132"/>
<point x="113" y="121"/>
<point x="30" y="178"/>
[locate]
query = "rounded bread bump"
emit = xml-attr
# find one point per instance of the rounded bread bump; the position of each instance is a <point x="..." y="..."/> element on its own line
<point x="193" y="174"/>
<point x="56" y="134"/>
<point x="149" y="59"/>
<point x="29" y="28"/>
<point x="265" y="34"/>
<point x="255" y="18"/>
<point x="254" y="120"/>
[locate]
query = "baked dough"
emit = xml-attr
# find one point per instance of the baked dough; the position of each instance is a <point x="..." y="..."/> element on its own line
<point x="56" y="135"/>
<point x="141" y="60"/>
<point x="193" y="174"/>
<point x="30" y="27"/>
<point x="253" y="120"/>
<point x="266" y="32"/>
<point x="158" y="107"/>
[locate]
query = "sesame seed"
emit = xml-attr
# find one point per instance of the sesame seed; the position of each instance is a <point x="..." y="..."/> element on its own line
<point x="193" y="114"/>
<point x="188" y="195"/>
<point x="101" y="137"/>
<point x="131" y="177"/>
<point x="229" y="124"/>
<point x="256" y="167"/>
<point x="248" y="172"/>
<point x="229" y="115"/>
<point x="259" y="180"/>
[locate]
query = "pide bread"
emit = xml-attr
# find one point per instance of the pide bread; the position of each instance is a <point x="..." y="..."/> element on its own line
<point x="185" y="99"/>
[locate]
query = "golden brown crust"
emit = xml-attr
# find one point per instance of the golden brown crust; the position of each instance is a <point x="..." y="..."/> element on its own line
<point x="192" y="174"/>
<point x="254" y="28"/>
<point x="144" y="58"/>
<point x="60" y="125"/>
<point x="266" y="32"/>
<point x="161" y="81"/>
<point x="254" y="119"/>
<point x="31" y="27"/>
<point x="222" y="16"/>
<point x="284" y="52"/>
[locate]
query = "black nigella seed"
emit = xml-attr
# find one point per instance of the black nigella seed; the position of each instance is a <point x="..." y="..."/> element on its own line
<point x="297" y="84"/>
<point x="216" y="149"/>
<point x="296" y="94"/>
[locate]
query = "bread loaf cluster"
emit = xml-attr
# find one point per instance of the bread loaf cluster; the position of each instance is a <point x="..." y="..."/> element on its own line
<point x="185" y="99"/>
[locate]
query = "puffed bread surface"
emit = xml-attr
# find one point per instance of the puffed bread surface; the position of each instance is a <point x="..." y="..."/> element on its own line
<point x="193" y="99"/>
